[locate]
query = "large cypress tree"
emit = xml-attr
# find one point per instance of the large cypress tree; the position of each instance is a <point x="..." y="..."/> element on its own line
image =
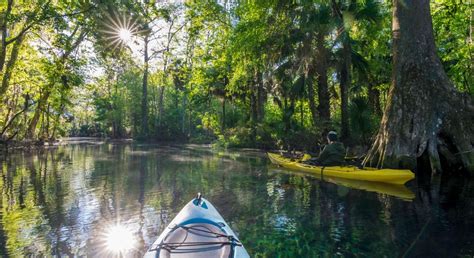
<point x="425" y="114"/>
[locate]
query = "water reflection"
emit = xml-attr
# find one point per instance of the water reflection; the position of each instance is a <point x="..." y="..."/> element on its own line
<point x="61" y="202"/>
<point x="400" y="191"/>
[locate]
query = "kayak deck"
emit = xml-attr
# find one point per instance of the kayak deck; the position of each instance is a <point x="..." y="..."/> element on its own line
<point x="197" y="231"/>
<point x="390" y="176"/>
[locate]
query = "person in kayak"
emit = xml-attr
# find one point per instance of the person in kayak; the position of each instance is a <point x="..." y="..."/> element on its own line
<point x="333" y="153"/>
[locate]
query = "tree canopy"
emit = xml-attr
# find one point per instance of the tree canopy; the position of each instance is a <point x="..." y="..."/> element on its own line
<point x="270" y="74"/>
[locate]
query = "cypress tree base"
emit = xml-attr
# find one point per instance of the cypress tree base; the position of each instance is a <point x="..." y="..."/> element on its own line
<point x="425" y="114"/>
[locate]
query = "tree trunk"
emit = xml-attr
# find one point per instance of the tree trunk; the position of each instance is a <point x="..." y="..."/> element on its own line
<point x="345" y="86"/>
<point x="161" y="99"/>
<point x="309" y="73"/>
<point x="223" y="114"/>
<point x="425" y="114"/>
<point x="261" y="97"/>
<point x="10" y="65"/>
<point x="9" y="120"/>
<point x="322" y="79"/>
<point x="166" y="52"/>
<point x="183" y="114"/>
<point x="56" y="122"/>
<point x="253" y="108"/>
<point x="4" y="31"/>
<point x="145" y="90"/>
<point x="374" y="100"/>
<point x="253" y="113"/>
<point x="30" y="133"/>
<point x="47" y="120"/>
<point x="312" y="103"/>
<point x="288" y="111"/>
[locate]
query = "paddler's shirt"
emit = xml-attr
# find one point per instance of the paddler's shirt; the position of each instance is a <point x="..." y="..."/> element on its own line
<point x="332" y="155"/>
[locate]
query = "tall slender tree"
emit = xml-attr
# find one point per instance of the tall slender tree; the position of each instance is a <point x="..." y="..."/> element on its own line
<point x="346" y="13"/>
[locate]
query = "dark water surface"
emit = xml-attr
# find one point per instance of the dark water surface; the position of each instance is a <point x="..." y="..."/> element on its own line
<point x="63" y="202"/>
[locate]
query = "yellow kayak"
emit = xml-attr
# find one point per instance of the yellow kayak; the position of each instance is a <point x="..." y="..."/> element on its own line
<point x="399" y="191"/>
<point x="389" y="176"/>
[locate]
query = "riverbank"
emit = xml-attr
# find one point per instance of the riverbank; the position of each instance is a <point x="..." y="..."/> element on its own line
<point x="28" y="146"/>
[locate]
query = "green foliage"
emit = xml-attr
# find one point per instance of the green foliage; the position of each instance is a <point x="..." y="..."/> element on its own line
<point x="452" y="24"/>
<point x="237" y="73"/>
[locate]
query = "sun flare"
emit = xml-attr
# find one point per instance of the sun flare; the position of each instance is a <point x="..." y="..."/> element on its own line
<point x="125" y="35"/>
<point x="119" y="29"/>
<point x="119" y="239"/>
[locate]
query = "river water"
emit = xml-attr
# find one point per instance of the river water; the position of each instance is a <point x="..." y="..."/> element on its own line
<point x="67" y="201"/>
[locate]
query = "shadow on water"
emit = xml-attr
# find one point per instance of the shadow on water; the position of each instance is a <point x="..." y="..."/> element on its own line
<point x="445" y="203"/>
<point x="63" y="201"/>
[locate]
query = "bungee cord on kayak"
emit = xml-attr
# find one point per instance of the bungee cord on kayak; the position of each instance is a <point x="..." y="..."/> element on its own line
<point x="198" y="231"/>
<point x="195" y="230"/>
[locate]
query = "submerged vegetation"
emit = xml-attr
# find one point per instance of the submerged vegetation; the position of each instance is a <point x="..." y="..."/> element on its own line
<point x="267" y="74"/>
